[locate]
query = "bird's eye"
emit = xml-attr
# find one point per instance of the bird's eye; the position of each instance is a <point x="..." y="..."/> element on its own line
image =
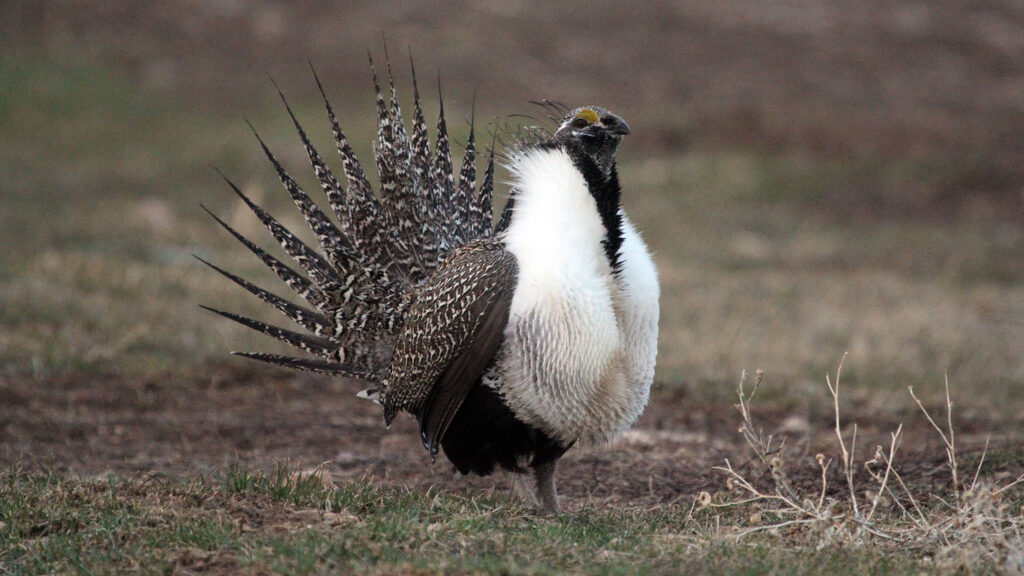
<point x="580" y="123"/>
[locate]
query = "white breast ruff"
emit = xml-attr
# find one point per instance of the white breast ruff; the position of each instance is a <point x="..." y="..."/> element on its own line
<point x="638" y="312"/>
<point x="566" y="365"/>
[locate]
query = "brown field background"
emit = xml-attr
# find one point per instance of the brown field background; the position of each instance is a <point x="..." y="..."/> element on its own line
<point x="814" y="178"/>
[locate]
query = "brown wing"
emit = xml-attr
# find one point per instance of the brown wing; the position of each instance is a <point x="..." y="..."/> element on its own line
<point x="465" y="370"/>
<point x="453" y="330"/>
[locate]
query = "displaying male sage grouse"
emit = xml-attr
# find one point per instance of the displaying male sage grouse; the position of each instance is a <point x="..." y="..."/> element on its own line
<point x="508" y="344"/>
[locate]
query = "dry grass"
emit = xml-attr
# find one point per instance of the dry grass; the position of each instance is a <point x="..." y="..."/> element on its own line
<point x="970" y="525"/>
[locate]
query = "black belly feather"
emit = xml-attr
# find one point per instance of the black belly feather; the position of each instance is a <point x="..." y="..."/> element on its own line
<point x="485" y="433"/>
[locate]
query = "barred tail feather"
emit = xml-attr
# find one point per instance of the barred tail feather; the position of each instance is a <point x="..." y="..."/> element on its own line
<point x="317" y="345"/>
<point x="334" y="244"/>
<point x="398" y="190"/>
<point x="362" y="215"/>
<point x="406" y="208"/>
<point x="420" y="159"/>
<point x="427" y="237"/>
<point x="506" y="215"/>
<point x="338" y="327"/>
<point x="338" y="247"/>
<point x="443" y="183"/>
<point x="310" y="365"/>
<point x="463" y="198"/>
<point x="373" y="251"/>
<point x="311" y="320"/>
<point x="401" y="138"/>
<point x="318" y="269"/>
<point x="481" y="209"/>
<point x="297" y="282"/>
<point x="385" y="153"/>
<point x="328" y="183"/>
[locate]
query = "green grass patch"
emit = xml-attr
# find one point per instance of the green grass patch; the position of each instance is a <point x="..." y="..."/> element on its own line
<point x="291" y="524"/>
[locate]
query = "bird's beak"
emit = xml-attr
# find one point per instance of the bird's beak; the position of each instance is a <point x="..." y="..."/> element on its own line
<point x="617" y="126"/>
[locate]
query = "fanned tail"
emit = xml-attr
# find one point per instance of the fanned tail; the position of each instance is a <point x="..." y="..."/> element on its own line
<point x="374" y="251"/>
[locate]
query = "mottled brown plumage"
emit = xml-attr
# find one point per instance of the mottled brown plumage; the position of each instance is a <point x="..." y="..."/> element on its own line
<point x="453" y="328"/>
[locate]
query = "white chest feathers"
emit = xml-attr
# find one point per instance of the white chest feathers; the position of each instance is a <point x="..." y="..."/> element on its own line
<point x="579" y="351"/>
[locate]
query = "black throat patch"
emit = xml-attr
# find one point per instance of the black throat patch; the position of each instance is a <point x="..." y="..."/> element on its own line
<point x="608" y="195"/>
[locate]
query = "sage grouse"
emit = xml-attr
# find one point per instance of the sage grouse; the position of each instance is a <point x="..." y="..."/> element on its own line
<point x="508" y="344"/>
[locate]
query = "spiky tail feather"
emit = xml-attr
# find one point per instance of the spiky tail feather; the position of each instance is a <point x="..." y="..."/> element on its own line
<point x="375" y="250"/>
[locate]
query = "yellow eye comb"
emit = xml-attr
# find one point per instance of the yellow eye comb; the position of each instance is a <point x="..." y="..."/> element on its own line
<point x="588" y="115"/>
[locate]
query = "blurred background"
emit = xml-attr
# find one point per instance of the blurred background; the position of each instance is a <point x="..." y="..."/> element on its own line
<point x="815" y="178"/>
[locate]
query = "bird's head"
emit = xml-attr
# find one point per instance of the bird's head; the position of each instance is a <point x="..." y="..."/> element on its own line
<point x="592" y="132"/>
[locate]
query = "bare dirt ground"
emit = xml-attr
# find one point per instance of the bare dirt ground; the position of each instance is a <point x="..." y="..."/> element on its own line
<point x="256" y="419"/>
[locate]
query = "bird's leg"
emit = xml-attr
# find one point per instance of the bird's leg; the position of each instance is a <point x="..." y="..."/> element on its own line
<point x="521" y="489"/>
<point x="545" y="475"/>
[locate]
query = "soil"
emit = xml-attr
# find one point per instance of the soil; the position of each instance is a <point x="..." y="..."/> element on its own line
<point x="259" y="418"/>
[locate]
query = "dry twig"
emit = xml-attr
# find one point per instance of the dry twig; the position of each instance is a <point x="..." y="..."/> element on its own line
<point x="977" y="523"/>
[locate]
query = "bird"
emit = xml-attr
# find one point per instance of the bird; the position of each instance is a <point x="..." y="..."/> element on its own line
<point x="508" y="343"/>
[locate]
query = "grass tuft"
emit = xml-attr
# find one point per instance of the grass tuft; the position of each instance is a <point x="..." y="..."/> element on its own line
<point x="967" y="523"/>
